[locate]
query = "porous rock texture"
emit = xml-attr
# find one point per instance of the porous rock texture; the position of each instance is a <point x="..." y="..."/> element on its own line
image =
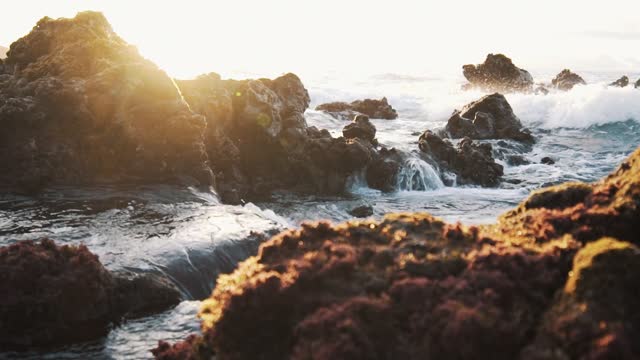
<point x="566" y="80"/>
<point x="497" y="73"/>
<point x="555" y="278"/>
<point x="52" y="295"/>
<point x="78" y="104"/>
<point x="473" y="163"/>
<point x="373" y="108"/>
<point x="490" y="117"/>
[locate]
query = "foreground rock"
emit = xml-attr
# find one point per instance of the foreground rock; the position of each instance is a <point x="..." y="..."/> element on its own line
<point x="490" y="117"/>
<point x="78" y="104"/>
<point x="566" y="80"/>
<point x="52" y="295"/>
<point x="375" y="109"/>
<point x="498" y="73"/>
<point x="472" y="163"/>
<point x="622" y="82"/>
<point x="536" y="285"/>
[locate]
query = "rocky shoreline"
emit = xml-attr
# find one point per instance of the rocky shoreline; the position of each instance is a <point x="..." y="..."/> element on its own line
<point x="552" y="279"/>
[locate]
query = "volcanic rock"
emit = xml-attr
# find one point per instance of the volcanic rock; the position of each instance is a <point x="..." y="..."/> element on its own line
<point x="547" y="161"/>
<point x="622" y="82"/>
<point x="375" y="109"/>
<point x="566" y="80"/>
<point x="362" y="211"/>
<point x="498" y="73"/>
<point x="555" y="278"/>
<point x="637" y="84"/>
<point x="490" y="117"/>
<point x="360" y="128"/>
<point x="473" y="163"/>
<point x="78" y="104"/>
<point x="51" y="295"/>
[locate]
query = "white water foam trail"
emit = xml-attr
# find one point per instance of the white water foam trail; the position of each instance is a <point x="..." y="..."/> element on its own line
<point x="582" y="107"/>
<point x="417" y="175"/>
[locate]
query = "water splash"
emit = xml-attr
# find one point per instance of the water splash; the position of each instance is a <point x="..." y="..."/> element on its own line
<point x="417" y="175"/>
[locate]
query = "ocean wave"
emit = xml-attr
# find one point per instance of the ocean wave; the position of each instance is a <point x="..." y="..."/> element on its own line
<point x="582" y="107"/>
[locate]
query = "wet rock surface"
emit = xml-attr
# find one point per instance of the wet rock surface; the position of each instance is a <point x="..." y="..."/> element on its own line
<point x="375" y="109"/>
<point x="52" y="295"/>
<point x="498" y="73"/>
<point x="472" y="162"/>
<point x="362" y="211"/>
<point x="566" y="80"/>
<point x="490" y="117"/>
<point x="544" y="282"/>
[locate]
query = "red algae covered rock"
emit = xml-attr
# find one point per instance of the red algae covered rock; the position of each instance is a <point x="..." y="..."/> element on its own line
<point x="414" y="287"/>
<point x="52" y="294"/>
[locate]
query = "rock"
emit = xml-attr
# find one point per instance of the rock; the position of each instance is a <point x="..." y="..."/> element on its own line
<point x="382" y="172"/>
<point x="517" y="160"/>
<point x="360" y="128"/>
<point x="84" y="106"/>
<point x="473" y="163"/>
<point x="547" y="161"/>
<point x="595" y="315"/>
<point x="622" y="82"/>
<point x="637" y="84"/>
<point x="362" y="211"/>
<point x="498" y="73"/>
<point x="541" y="283"/>
<point x="541" y="90"/>
<point x="566" y="80"/>
<point x="490" y="117"/>
<point x="52" y="295"/>
<point x="375" y="109"/>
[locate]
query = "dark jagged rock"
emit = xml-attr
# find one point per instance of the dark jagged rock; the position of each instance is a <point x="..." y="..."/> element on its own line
<point x="362" y="211"/>
<point x="52" y="295"/>
<point x="490" y="117"/>
<point x="497" y="73"/>
<point x="79" y="104"/>
<point x="375" y="109"/>
<point x="360" y="128"/>
<point x="547" y="161"/>
<point x="382" y="172"/>
<point x="637" y="84"/>
<point x="473" y="163"/>
<point x="622" y="82"/>
<point x="566" y="80"/>
<point x="413" y="287"/>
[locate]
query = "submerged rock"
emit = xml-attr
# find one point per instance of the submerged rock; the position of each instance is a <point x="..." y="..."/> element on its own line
<point x="362" y="211"/>
<point x="473" y="163"/>
<point x="51" y="295"/>
<point x="413" y="287"/>
<point x="566" y="80"/>
<point x="78" y="104"/>
<point x="490" y="117"/>
<point x="375" y="109"/>
<point x="498" y="73"/>
<point x="547" y="161"/>
<point x="622" y="82"/>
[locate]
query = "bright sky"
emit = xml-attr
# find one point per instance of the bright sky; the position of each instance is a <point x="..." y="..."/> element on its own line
<point x="269" y="37"/>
